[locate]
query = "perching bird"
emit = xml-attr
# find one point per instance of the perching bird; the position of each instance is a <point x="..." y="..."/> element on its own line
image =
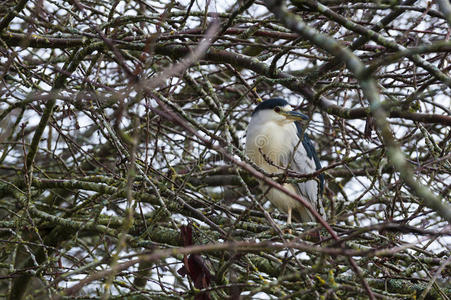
<point x="272" y="135"/>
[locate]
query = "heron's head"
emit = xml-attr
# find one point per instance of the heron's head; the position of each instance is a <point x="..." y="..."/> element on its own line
<point x="277" y="110"/>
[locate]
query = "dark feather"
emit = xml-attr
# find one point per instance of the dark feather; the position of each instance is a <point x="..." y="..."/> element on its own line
<point x="270" y="104"/>
<point x="311" y="153"/>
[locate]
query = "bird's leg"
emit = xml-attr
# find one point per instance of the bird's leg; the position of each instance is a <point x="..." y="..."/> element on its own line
<point x="289" y="220"/>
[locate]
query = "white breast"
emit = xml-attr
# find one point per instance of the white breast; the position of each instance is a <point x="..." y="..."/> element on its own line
<point x="269" y="144"/>
<point x="273" y="139"/>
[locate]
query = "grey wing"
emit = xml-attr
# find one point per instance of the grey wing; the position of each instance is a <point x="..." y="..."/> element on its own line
<point x="305" y="161"/>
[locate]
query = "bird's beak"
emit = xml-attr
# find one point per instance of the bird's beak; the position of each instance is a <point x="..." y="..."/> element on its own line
<point x="293" y="115"/>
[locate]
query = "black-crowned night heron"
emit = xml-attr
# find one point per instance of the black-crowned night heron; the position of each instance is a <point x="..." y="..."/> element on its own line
<point x="273" y="142"/>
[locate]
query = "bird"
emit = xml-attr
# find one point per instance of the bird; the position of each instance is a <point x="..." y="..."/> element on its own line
<point x="275" y="141"/>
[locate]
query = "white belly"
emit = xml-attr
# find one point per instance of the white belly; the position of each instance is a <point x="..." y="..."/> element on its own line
<point x="271" y="148"/>
<point x="284" y="202"/>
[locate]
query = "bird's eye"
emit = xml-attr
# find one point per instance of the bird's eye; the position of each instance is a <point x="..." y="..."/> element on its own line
<point x="277" y="109"/>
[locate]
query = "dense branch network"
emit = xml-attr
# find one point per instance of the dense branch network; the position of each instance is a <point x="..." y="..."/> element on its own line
<point x="122" y="171"/>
